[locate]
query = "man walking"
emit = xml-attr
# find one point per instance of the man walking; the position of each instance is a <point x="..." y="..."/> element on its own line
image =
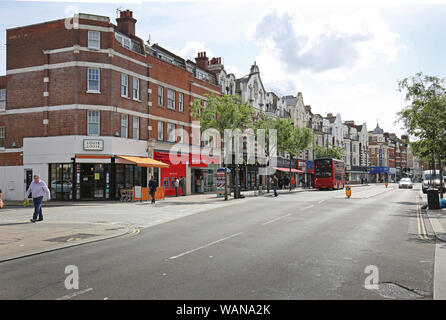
<point x="38" y="188"/>
<point x="183" y="186"/>
<point x="177" y="185"/>
<point x="152" y="188"/>
<point x="275" y="183"/>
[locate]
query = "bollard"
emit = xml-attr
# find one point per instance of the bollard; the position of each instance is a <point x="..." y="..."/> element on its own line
<point x="348" y="191"/>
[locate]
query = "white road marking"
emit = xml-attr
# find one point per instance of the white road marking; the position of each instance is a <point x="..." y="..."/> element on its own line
<point x="321" y="201"/>
<point x="271" y="221"/>
<point x="307" y="207"/>
<point x="205" y="246"/>
<point x="74" y="294"/>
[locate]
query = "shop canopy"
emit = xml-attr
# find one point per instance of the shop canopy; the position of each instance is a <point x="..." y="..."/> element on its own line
<point x="288" y="170"/>
<point x="145" y="162"/>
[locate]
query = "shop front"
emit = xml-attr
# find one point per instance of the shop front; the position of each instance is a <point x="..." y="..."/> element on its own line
<point x="167" y="176"/>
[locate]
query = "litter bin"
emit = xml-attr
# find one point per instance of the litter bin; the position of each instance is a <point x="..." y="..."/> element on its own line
<point x="433" y="200"/>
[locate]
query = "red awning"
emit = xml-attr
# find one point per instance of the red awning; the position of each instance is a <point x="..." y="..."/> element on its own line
<point x="288" y="170"/>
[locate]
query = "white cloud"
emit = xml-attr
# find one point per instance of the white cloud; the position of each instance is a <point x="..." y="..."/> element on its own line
<point x="191" y="49"/>
<point x="326" y="49"/>
<point x="236" y="71"/>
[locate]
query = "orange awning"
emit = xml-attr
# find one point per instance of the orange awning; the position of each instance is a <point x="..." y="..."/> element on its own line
<point x="145" y="162"/>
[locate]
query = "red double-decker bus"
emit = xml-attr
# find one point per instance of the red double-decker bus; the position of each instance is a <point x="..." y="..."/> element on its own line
<point x="329" y="173"/>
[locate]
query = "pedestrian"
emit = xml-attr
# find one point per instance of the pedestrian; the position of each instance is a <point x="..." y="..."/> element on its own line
<point x="2" y="204"/>
<point x="275" y="185"/>
<point x="153" y="184"/>
<point x="302" y="181"/>
<point x="38" y="189"/>
<point x="183" y="186"/>
<point x="177" y="185"/>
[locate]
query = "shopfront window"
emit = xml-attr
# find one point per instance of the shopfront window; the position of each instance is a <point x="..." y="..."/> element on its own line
<point x="61" y="181"/>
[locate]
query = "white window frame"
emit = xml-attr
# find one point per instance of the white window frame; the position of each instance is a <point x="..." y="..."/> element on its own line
<point x="135" y="128"/>
<point x="160" y="102"/>
<point x="170" y="100"/>
<point x="125" y="41"/>
<point x="180" y="102"/>
<point x="2" y="137"/>
<point x="94" y="43"/>
<point x="160" y="134"/>
<point x="135" y="89"/>
<point x="98" y="80"/>
<point x="124" y="125"/>
<point x="97" y="114"/>
<point x="180" y="134"/>
<point x="125" y="85"/>
<point x="171" y="136"/>
<point x="2" y="99"/>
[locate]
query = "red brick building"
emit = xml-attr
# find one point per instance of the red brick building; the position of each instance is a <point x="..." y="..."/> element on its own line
<point x="81" y="93"/>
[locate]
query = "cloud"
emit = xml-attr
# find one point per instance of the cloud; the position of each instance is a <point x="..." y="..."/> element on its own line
<point x="236" y="71"/>
<point x="191" y="48"/>
<point x="325" y="49"/>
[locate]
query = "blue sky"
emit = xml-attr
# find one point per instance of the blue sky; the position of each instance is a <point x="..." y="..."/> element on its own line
<point x="345" y="59"/>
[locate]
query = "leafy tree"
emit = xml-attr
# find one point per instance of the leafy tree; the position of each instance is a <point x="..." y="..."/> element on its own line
<point x="331" y="152"/>
<point x="220" y="113"/>
<point x="425" y="116"/>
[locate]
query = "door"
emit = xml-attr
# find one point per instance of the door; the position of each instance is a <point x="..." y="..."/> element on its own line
<point x="28" y="180"/>
<point x="94" y="181"/>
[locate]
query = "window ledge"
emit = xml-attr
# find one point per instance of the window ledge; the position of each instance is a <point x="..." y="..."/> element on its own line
<point x="92" y="91"/>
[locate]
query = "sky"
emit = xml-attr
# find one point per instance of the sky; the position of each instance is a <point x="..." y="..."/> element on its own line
<point x="345" y="58"/>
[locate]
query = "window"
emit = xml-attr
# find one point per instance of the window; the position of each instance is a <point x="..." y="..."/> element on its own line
<point x="160" y="96"/>
<point x="93" y="123"/>
<point x="170" y="99"/>
<point x="124" y="125"/>
<point x="2" y="137"/>
<point x="170" y="132"/>
<point x="124" y="85"/>
<point x="2" y="99"/>
<point x="180" y="135"/>
<point x="94" y="39"/>
<point x="135" y="88"/>
<point x="126" y="43"/>
<point x="180" y="102"/>
<point x="135" y="128"/>
<point x="160" y="131"/>
<point x="93" y="80"/>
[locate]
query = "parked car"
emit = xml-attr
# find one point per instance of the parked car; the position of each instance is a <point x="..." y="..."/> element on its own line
<point x="61" y="185"/>
<point x="405" y="183"/>
<point x="429" y="179"/>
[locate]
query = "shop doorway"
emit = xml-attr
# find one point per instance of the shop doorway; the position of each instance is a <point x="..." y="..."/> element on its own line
<point x="95" y="179"/>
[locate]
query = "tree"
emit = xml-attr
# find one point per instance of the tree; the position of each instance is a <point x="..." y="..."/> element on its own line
<point x="299" y="140"/>
<point x="332" y="152"/>
<point x="220" y="113"/>
<point x="425" y="116"/>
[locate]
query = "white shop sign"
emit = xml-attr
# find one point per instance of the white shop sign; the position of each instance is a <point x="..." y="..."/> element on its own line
<point x="93" y="145"/>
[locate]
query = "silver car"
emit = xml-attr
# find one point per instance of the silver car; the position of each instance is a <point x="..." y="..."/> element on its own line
<point x="405" y="183"/>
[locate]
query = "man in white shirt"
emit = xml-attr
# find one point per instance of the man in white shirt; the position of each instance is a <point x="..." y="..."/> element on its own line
<point x="38" y="188"/>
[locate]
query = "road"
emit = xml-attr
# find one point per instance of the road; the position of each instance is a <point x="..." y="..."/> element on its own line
<point x="307" y="245"/>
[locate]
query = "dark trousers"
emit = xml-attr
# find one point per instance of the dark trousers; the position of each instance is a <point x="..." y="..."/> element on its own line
<point x="176" y="191"/>
<point x="152" y="194"/>
<point x="275" y="191"/>
<point x="37" y="208"/>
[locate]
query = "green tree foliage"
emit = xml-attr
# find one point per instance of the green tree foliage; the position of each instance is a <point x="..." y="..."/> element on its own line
<point x="331" y="152"/>
<point x="425" y="115"/>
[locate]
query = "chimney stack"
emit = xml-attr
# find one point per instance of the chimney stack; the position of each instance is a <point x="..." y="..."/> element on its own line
<point x="202" y="61"/>
<point x="126" y="23"/>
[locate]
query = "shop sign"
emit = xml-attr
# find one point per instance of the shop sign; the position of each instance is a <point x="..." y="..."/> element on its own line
<point x="93" y="145"/>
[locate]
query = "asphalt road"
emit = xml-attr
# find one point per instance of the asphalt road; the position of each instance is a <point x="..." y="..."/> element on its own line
<point x="308" y="245"/>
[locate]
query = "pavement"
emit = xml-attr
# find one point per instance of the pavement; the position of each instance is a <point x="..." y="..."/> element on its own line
<point x="302" y="245"/>
<point x="437" y="219"/>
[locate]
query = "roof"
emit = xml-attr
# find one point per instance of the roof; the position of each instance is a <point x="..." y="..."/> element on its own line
<point x="378" y="130"/>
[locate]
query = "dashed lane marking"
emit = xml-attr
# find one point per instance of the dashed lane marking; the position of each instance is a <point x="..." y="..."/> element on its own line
<point x="74" y="294"/>
<point x="276" y="219"/>
<point x="205" y="246"/>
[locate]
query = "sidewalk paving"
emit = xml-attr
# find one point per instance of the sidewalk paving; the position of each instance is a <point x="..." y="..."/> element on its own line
<point x="20" y="239"/>
<point x="437" y="219"/>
